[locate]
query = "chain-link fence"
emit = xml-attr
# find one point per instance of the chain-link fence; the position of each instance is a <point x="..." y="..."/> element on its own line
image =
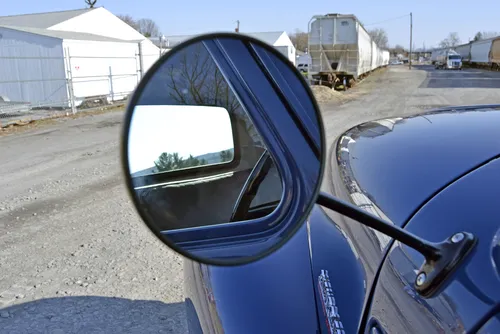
<point x="69" y="78"/>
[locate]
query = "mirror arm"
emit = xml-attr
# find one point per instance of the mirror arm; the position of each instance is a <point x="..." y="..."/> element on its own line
<point x="441" y="259"/>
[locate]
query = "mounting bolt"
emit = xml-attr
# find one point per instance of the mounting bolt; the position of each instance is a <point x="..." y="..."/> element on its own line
<point x="421" y="279"/>
<point x="456" y="238"/>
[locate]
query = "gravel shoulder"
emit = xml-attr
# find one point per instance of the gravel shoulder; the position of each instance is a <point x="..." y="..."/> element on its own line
<point x="75" y="256"/>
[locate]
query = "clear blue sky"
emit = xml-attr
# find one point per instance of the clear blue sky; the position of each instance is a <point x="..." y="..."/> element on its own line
<point x="432" y="20"/>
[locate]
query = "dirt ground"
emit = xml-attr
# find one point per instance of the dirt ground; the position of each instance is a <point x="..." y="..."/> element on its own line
<point x="75" y="256"/>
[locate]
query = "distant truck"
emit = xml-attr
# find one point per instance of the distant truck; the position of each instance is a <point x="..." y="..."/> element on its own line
<point x="449" y="60"/>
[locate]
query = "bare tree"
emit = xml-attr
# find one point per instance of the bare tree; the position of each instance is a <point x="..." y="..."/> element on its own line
<point x="198" y="81"/>
<point x="490" y="34"/>
<point x="148" y="28"/>
<point x="450" y="41"/>
<point x="129" y="20"/>
<point x="485" y="35"/>
<point x="299" y="39"/>
<point x="397" y="49"/>
<point x="379" y="36"/>
<point x="90" y="3"/>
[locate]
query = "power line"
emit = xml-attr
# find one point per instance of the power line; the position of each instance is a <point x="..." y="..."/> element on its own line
<point x="394" y="18"/>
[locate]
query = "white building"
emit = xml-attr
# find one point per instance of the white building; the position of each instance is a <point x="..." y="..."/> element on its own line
<point x="279" y="39"/>
<point x="40" y="52"/>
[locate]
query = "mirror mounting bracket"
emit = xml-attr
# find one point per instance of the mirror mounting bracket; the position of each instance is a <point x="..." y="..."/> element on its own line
<point x="434" y="271"/>
<point x="441" y="259"/>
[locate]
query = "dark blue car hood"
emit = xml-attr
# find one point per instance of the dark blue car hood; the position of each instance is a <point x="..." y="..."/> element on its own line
<point x="400" y="163"/>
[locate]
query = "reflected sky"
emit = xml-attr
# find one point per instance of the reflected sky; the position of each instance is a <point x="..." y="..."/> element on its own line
<point x="187" y="130"/>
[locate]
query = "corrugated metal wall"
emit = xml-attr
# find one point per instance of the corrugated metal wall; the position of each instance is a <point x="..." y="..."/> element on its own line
<point x="47" y="72"/>
<point x="32" y="69"/>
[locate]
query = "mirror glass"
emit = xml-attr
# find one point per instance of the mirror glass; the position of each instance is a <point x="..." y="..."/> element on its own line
<point x="165" y="138"/>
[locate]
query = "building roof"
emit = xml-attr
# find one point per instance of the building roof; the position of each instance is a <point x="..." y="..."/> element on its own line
<point x="66" y="34"/>
<point x="171" y="41"/>
<point x="42" y="20"/>
<point x="268" y="37"/>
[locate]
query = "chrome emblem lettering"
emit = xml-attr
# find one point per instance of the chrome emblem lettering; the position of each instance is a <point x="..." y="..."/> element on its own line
<point x="330" y="309"/>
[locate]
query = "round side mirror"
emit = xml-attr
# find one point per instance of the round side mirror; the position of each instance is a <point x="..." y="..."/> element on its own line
<point x="223" y="149"/>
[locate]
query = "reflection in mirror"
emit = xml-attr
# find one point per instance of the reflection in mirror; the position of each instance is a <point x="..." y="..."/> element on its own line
<point x="193" y="152"/>
<point x="167" y="138"/>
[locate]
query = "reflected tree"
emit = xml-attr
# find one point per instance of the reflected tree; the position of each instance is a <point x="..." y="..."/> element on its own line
<point x="226" y="156"/>
<point x="195" y="79"/>
<point x="172" y="161"/>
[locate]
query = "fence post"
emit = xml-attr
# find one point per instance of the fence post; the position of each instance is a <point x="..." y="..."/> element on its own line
<point x="141" y="62"/>
<point x="70" y="83"/>
<point x="111" y="85"/>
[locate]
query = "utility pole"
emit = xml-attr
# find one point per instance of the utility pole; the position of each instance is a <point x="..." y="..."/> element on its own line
<point x="411" y="37"/>
<point x="237" y="26"/>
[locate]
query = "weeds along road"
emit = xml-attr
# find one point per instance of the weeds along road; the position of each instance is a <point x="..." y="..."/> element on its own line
<point x="74" y="254"/>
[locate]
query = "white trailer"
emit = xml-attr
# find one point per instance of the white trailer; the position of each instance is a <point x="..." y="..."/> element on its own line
<point x="434" y="55"/>
<point x="480" y="51"/>
<point x="484" y="53"/>
<point x="386" y="56"/>
<point x="464" y="51"/>
<point x="341" y="50"/>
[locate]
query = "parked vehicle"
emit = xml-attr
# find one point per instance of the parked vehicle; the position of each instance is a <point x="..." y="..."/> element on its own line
<point x="449" y="60"/>
<point x="341" y="50"/>
<point x="303" y="67"/>
<point x="405" y="241"/>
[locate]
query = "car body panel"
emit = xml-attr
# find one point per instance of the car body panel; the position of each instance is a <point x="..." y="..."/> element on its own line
<point x="280" y="293"/>
<point x="391" y="169"/>
<point x="275" y="294"/>
<point x="469" y="204"/>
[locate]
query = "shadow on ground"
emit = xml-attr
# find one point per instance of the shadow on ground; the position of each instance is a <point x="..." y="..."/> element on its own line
<point x="92" y="314"/>
<point x="467" y="78"/>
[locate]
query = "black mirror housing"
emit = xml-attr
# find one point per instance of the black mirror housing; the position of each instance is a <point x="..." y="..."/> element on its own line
<point x="259" y="88"/>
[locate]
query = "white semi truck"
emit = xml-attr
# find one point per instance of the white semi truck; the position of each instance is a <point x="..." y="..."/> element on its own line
<point x="449" y="60"/>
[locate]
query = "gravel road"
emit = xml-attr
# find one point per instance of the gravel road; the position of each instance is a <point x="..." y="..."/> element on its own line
<point x="75" y="256"/>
